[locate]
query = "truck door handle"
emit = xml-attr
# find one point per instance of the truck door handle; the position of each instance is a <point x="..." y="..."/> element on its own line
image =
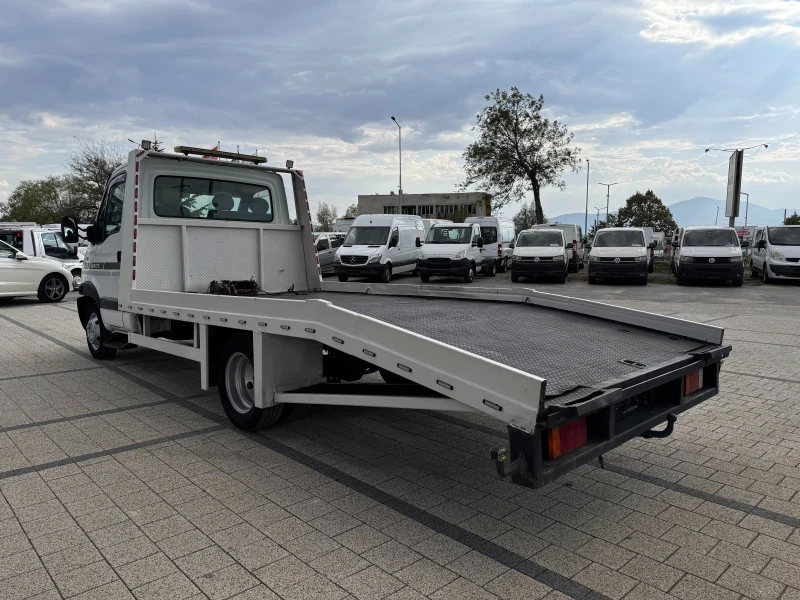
<point x="119" y="256"/>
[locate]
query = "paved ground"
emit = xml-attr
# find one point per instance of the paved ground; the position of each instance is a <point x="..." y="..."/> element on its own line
<point x="123" y="479"/>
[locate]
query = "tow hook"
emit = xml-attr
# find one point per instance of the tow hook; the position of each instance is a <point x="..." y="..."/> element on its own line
<point x="666" y="432"/>
<point x="517" y="466"/>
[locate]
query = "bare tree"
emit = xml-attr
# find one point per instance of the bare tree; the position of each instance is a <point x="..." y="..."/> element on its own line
<point x="88" y="170"/>
<point x="326" y="216"/>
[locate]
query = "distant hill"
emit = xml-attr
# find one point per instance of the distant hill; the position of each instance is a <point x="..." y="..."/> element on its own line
<point x="696" y="211"/>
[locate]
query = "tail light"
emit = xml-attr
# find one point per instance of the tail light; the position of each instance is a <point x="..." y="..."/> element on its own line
<point x="499" y="249"/>
<point x="564" y="439"/>
<point x="692" y="382"/>
<point x="574" y="247"/>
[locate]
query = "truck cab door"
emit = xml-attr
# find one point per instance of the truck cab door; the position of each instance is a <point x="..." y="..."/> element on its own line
<point x="103" y="266"/>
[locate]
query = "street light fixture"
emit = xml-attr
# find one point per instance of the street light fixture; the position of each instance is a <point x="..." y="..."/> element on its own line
<point x="400" y="154"/>
<point x="608" y="194"/>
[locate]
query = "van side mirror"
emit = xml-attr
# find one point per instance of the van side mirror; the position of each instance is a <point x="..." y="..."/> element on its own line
<point x="393" y="242"/>
<point x="745" y="244"/>
<point x="568" y="246"/>
<point x="69" y="230"/>
<point x="676" y="244"/>
<point x="480" y="242"/>
<point x="512" y="245"/>
<point x="418" y="243"/>
<point x="21" y="256"/>
<point x="761" y="244"/>
<point x="587" y="246"/>
<point x="652" y="245"/>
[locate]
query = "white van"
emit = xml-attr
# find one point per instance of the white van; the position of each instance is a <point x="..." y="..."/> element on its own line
<point x="378" y="246"/>
<point x="42" y="242"/>
<point x="498" y="239"/>
<point x="541" y="253"/>
<point x="776" y="252"/>
<point x="573" y="234"/>
<point x="709" y="253"/>
<point x="619" y="252"/>
<point x="454" y="250"/>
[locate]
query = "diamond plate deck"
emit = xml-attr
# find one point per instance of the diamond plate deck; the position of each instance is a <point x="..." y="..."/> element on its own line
<point x="567" y="349"/>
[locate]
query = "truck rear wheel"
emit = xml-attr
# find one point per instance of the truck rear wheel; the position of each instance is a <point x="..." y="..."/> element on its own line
<point x="237" y="386"/>
<point x="97" y="335"/>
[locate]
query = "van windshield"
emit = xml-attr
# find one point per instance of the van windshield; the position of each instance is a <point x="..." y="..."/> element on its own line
<point x="449" y="235"/>
<point x="489" y="234"/>
<point x="711" y="237"/>
<point x="619" y="239"/>
<point x="539" y="238"/>
<point x="367" y="236"/>
<point x="784" y="236"/>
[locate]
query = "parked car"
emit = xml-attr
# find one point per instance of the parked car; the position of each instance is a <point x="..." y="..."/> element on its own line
<point x="619" y="252"/>
<point x="498" y="235"/>
<point x="709" y="253"/>
<point x="378" y="246"/>
<point x="454" y="250"/>
<point x="776" y="253"/>
<point x="574" y="234"/>
<point x="42" y="242"/>
<point x="327" y="243"/>
<point x="541" y="253"/>
<point x="23" y="275"/>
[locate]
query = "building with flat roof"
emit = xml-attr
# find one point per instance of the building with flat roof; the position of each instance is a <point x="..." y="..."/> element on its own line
<point x="438" y="206"/>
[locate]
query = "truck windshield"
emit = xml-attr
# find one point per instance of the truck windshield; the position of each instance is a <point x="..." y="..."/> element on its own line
<point x="784" y="236"/>
<point x="366" y="236"/>
<point x="619" y="239"/>
<point x="449" y="235"/>
<point x="711" y="237"/>
<point x="539" y="238"/>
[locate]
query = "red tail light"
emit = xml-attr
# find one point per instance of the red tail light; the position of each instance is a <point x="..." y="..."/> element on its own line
<point x="564" y="439"/>
<point x="499" y="249"/>
<point x="692" y="382"/>
<point x="574" y="247"/>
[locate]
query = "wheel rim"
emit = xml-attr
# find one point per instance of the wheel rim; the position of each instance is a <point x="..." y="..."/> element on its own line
<point x="239" y="382"/>
<point x="387" y="274"/>
<point x="470" y="274"/>
<point x="93" y="331"/>
<point x="54" y="288"/>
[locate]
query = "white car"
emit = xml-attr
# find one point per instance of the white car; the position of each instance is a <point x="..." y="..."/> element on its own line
<point x="541" y="253"/>
<point x="454" y="250"/>
<point x="23" y="275"/>
<point x="619" y="253"/>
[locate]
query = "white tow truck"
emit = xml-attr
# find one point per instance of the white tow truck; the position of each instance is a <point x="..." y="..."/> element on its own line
<point x="198" y="258"/>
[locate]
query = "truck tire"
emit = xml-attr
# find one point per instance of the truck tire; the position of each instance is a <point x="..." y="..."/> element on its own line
<point x="386" y="274"/>
<point x="236" y="390"/>
<point x="53" y="288"/>
<point x="343" y="278"/>
<point x="425" y="277"/>
<point x="501" y="268"/>
<point x="97" y="335"/>
<point x="469" y="275"/>
<point x="293" y="412"/>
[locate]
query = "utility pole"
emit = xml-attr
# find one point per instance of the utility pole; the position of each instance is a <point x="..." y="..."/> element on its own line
<point x="746" y="207"/>
<point x="597" y="220"/>
<point x="400" y="152"/>
<point x="717" y="217"/>
<point x="608" y="195"/>
<point x="586" y="215"/>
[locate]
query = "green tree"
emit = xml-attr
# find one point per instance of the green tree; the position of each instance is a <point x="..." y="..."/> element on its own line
<point x="326" y="216"/>
<point x="518" y="150"/>
<point x="39" y="200"/>
<point x="644" y="210"/>
<point x="351" y="212"/>
<point x="88" y="170"/>
<point x="792" y="219"/>
<point x="526" y="217"/>
<point x="595" y="227"/>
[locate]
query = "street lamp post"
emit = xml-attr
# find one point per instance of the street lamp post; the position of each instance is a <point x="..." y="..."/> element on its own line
<point x="746" y="207"/>
<point x="586" y="215"/>
<point x="608" y="194"/>
<point x="597" y="220"/>
<point x="400" y="154"/>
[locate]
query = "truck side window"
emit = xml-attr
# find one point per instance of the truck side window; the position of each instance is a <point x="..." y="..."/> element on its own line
<point x="54" y="246"/>
<point x="200" y="198"/>
<point x="110" y="218"/>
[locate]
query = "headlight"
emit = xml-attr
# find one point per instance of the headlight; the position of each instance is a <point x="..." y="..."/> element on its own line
<point x="461" y="255"/>
<point x="736" y="259"/>
<point x="558" y="258"/>
<point x="777" y="255"/>
<point x="375" y="258"/>
<point x="686" y="259"/>
<point x="594" y="258"/>
<point x="337" y="258"/>
<point x="641" y="259"/>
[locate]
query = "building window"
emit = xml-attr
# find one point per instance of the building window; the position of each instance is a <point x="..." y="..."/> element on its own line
<point x="390" y="210"/>
<point x="409" y="210"/>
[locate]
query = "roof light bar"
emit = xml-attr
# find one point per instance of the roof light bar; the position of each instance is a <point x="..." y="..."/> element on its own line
<point x="187" y="150"/>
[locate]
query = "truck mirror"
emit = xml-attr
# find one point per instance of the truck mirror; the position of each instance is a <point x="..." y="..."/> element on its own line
<point x="652" y="245"/>
<point x="91" y="234"/>
<point x="745" y="244"/>
<point x="418" y="243"/>
<point x="568" y="246"/>
<point x="761" y="244"/>
<point x="69" y="230"/>
<point x="480" y="242"/>
<point x="587" y="246"/>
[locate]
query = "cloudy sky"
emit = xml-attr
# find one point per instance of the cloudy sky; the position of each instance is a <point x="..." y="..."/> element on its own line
<point x="645" y="86"/>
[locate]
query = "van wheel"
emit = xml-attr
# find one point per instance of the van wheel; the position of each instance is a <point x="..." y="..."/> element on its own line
<point x="425" y="277"/>
<point x="643" y="281"/>
<point x="767" y="278"/>
<point x="489" y="269"/>
<point x="652" y="267"/>
<point x="737" y="282"/>
<point x="562" y="278"/>
<point x="753" y="272"/>
<point x="592" y="279"/>
<point x="343" y="278"/>
<point x="97" y="335"/>
<point x="236" y="386"/>
<point x="469" y="275"/>
<point x="386" y="274"/>
<point x="53" y="288"/>
<point x="514" y="278"/>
